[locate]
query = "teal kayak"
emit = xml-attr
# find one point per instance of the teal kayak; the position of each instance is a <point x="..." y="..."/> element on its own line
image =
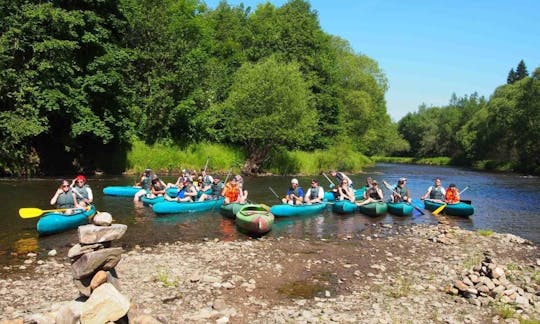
<point x="150" y="201"/>
<point x="400" y="208"/>
<point x="130" y="191"/>
<point x="459" y="209"/>
<point x="374" y="208"/>
<point x="51" y="223"/>
<point x="286" y="210"/>
<point x="173" y="207"/>
<point x="344" y="207"/>
<point x="254" y="219"/>
<point x="230" y="210"/>
<point x="358" y="194"/>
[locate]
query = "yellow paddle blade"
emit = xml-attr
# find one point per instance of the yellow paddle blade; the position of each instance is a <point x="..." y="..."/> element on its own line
<point x="31" y="212"/>
<point x="439" y="209"/>
<point x="265" y="207"/>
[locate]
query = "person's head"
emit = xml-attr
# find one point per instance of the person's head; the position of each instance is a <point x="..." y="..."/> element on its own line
<point x="147" y="172"/>
<point x="452" y="187"/>
<point x="64" y="185"/>
<point x="402" y="181"/>
<point x="345" y="182"/>
<point x="438" y="182"/>
<point x="314" y="182"/>
<point x="203" y="172"/>
<point x="333" y="173"/>
<point x="155" y="180"/>
<point x="374" y="183"/>
<point x="239" y="178"/>
<point x="294" y="182"/>
<point x="216" y="179"/>
<point x="233" y="181"/>
<point x="369" y="180"/>
<point x="80" y="180"/>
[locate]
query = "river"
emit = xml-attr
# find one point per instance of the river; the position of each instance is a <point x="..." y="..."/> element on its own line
<point x="504" y="202"/>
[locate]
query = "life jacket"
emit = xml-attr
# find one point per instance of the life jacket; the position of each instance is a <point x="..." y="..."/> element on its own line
<point x="314" y="192"/>
<point x="372" y="193"/>
<point x="452" y="196"/>
<point x="81" y="193"/>
<point x="231" y="192"/>
<point x="340" y="176"/>
<point x="436" y="193"/>
<point x="65" y="200"/>
<point x="146" y="182"/>
<point x="207" y="181"/>
<point x="401" y="191"/>
<point x="216" y="188"/>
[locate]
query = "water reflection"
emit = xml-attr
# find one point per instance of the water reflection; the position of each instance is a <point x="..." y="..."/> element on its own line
<point x="26" y="245"/>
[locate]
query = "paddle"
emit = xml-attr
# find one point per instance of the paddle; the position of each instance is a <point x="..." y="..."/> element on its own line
<point x="324" y="174"/>
<point x="443" y="206"/>
<point x="31" y="212"/>
<point x="389" y="187"/>
<point x="206" y="165"/>
<point x="275" y="194"/>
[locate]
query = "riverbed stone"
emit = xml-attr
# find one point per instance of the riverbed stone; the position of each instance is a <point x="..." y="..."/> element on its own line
<point x="70" y="312"/>
<point x="89" y="234"/>
<point x="105" y="304"/>
<point x="88" y="263"/>
<point x="80" y="249"/>
<point x="102" y="219"/>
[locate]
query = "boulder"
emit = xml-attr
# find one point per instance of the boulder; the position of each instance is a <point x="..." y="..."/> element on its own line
<point x="69" y="313"/>
<point x="102" y="219"/>
<point x="105" y="304"/>
<point x="90" y="234"/>
<point x="89" y="263"/>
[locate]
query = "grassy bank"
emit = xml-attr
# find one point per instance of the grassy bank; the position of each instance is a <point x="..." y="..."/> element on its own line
<point x="441" y="160"/>
<point x="171" y="159"/>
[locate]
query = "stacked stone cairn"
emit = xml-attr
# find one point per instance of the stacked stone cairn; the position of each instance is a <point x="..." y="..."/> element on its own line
<point x="487" y="283"/>
<point x="93" y="262"/>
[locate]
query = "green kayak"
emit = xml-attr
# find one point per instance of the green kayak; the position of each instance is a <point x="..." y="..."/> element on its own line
<point x="374" y="208"/>
<point x="254" y="219"/>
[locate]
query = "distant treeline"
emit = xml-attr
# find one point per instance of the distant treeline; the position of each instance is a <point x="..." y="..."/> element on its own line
<point x="80" y="81"/>
<point x="500" y="133"/>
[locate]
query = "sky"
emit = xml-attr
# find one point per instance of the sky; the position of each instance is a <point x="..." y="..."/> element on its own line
<point x="430" y="49"/>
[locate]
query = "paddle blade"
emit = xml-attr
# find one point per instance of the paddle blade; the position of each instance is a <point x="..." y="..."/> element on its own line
<point x="30" y="212"/>
<point x="438" y="210"/>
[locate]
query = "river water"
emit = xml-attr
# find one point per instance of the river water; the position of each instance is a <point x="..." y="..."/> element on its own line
<point x="504" y="202"/>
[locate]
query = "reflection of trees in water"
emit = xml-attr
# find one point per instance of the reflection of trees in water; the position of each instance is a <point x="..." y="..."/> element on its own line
<point x="227" y="229"/>
<point x="26" y="245"/>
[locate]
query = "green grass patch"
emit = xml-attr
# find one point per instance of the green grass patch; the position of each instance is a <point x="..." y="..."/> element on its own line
<point x="441" y="160"/>
<point x="401" y="288"/>
<point x="485" y="232"/>
<point x="164" y="277"/>
<point x="505" y="311"/>
<point x="472" y="261"/>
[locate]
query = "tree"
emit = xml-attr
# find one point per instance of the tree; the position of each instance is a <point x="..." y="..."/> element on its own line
<point x="511" y="76"/>
<point x="521" y="71"/>
<point x="268" y="107"/>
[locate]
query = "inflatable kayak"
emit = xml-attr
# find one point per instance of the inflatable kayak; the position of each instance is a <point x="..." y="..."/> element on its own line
<point x="173" y="207"/>
<point x="344" y="207"/>
<point x="150" y="201"/>
<point x="400" y="208"/>
<point x="286" y="210"/>
<point x="374" y="208"/>
<point x="459" y="209"/>
<point x="254" y="219"/>
<point x="358" y="194"/>
<point x="130" y="191"/>
<point x="51" y="223"/>
<point x="230" y="210"/>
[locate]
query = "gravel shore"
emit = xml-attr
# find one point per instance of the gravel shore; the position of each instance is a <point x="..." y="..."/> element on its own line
<point x="386" y="274"/>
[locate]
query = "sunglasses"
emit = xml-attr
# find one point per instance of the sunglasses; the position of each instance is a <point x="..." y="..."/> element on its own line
<point x="65" y="186"/>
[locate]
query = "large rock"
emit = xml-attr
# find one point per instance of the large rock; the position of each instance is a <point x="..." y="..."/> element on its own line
<point x="90" y="234"/>
<point x="69" y="313"/>
<point x="104" y="259"/>
<point x="79" y="249"/>
<point x="84" y="285"/>
<point x="102" y="219"/>
<point x="105" y="304"/>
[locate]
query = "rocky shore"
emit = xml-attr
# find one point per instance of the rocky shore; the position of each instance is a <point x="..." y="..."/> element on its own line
<point x="386" y="274"/>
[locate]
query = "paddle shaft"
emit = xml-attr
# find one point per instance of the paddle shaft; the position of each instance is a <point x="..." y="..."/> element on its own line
<point x="206" y="164"/>
<point x="275" y="194"/>
<point x="324" y="174"/>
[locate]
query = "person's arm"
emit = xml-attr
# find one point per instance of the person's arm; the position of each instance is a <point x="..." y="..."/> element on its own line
<point x="380" y="193"/>
<point x="426" y="195"/>
<point x="74" y="199"/>
<point x="90" y="195"/>
<point x="321" y="193"/>
<point x="55" y="196"/>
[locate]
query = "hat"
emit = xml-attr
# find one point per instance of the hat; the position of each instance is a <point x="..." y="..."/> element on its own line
<point x="294" y="181"/>
<point x="402" y="179"/>
<point x="374" y="182"/>
<point x="81" y="177"/>
<point x="452" y="185"/>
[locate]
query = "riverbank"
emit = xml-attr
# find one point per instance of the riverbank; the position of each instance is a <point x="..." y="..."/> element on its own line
<point x="385" y="274"/>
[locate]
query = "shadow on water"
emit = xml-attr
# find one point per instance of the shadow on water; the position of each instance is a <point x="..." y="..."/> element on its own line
<point x="503" y="203"/>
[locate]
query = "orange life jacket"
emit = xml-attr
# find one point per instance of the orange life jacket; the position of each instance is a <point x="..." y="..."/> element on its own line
<point x="452" y="196"/>
<point x="231" y="192"/>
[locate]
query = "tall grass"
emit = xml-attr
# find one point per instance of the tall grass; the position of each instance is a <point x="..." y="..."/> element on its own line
<point x="441" y="160"/>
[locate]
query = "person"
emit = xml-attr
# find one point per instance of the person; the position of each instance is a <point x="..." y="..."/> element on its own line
<point x="452" y="194"/>
<point x="369" y="182"/>
<point x="295" y="194"/>
<point x="186" y="193"/>
<point x="243" y="192"/>
<point x="215" y="190"/>
<point x="315" y="193"/>
<point x="372" y="194"/>
<point x="436" y="192"/>
<point x="231" y="191"/>
<point x="401" y="192"/>
<point x="144" y="182"/>
<point x="340" y="176"/>
<point x="206" y="181"/>
<point x="157" y="188"/>
<point x="64" y="197"/>
<point x="83" y="193"/>
<point x="344" y="191"/>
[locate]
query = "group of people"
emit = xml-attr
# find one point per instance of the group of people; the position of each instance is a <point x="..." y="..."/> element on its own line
<point x="74" y="195"/>
<point x="192" y="187"/>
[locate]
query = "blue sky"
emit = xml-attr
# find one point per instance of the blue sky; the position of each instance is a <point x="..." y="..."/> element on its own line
<point x="431" y="49"/>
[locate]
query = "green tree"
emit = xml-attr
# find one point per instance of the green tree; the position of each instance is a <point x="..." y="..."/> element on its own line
<point x="268" y="107"/>
<point x="511" y="78"/>
<point x="521" y="71"/>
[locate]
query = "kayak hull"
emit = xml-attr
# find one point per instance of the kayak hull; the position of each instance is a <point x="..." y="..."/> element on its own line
<point x="358" y="194"/>
<point x="459" y="209"/>
<point x="344" y="207"/>
<point x="230" y="210"/>
<point x="400" y="208"/>
<point x="51" y="223"/>
<point x="130" y="191"/>
<point x="286" y="210"/>
<point x="150" y="201"/>
<point x="174" y="207"/>
<point x="254" y="219"/>
<point x="374" y="209"/>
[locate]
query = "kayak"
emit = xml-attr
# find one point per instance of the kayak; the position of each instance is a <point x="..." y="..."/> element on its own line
<point x="344" y="207"/>
<point x="374" y="208"/>
<point x="150" y="201"/>
<point x="230" y="210"/>
<point x="400" y="208"/>
<point x="130" y="191"/>
<point x="55" y="222"/>
<point x="254" y="219"/>
<point x="459" y="209"/>
<point x="173" y="207"/>
<point x="286" y="210"/>
<point x="358" y="194"/>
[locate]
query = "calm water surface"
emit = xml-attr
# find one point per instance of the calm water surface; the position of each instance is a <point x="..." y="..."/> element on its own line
<point x="503" y="203"/>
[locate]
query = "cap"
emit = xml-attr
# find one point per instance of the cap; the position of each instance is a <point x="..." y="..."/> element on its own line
<point x="452" y="185"/>
<point x="374" y="182"/>
<point x="81" y="177"/>
<point x="402" y="179"/>
<point x="294" y="181"/>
